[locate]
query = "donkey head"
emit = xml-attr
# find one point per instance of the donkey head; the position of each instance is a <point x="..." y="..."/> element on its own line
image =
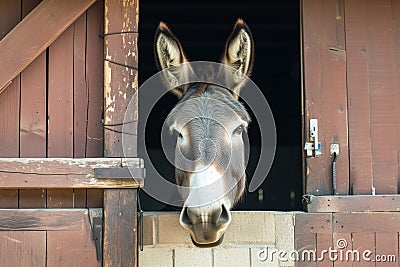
<point x="209" y="122"/>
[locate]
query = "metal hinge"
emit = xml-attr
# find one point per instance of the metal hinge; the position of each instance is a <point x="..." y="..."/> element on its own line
<point x="313" y="148"/>
<point x="96" y="224"/>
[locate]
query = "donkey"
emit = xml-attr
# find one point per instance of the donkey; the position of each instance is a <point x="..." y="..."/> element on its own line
<point x="209" y="121"/>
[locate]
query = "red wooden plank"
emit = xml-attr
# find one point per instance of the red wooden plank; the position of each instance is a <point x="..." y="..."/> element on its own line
<point x="8" y="198"/>
<point x="33" y="109"/>
<point x="381" y="66"/>
<point x="358" y="94"/>
<point x="387" y="249"/>
<point x="80" y="87"/>
<point x="359" y="222"/>
<point x="344" y="256"/>
<point x="396" y="35"/>
<point x="33" y="115"/>
<point x="313" y="223"/>
<point x="61" y="253"/>
<point x="80" y="100"/>
<point x="23" y="249"/>
<point x="95" y="198"/>
<point x="354" y="203"/>
<point x="120" y="83"/>
<point x="303" y="243"/>
<point x="325" y="91"/>
<point x="60" y="110"/>
<point x="94" y="72"/>
<point x="364" y="243"/>
<point x="324" y="242"/>
<point x="60" y="96"/>
<point x="43" y="219"/>
<point x="9" y="103"/>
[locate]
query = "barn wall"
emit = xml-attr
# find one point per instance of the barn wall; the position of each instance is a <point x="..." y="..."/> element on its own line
<point x="351" y="85"/>
<point x="54" y="107"/>
<point x="167" y="244"/>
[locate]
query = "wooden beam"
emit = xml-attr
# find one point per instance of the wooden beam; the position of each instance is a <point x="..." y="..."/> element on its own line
<point x="43" y="219"/>
<point x="64" y="173"/>
<point x="120" y="86"/>
<point x="354" y="203"/>
<point x="364" y="222"/>
<point x="35" y="33"/>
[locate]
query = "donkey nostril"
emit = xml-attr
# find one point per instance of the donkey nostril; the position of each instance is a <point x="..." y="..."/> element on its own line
<point x="225" y="217"/>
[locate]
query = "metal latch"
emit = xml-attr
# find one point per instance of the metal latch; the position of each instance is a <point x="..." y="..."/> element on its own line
<point x="119" y="173"/>
<point x="313" y="147"/>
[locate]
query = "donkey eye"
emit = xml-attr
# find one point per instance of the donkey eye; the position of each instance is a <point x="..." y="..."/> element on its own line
<point x="180" y="136"/>
<point x="239" y="130"/>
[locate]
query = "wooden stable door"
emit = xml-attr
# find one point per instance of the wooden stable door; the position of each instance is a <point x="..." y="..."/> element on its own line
<point x="48" y="237"/>
<point x="351" y="83"/>
<point x="351" y="86"/>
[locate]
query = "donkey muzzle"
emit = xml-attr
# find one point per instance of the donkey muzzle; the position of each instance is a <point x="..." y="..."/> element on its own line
<point x="206" y="226"/>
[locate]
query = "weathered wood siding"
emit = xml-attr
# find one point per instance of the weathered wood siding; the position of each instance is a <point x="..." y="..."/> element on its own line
<point x="53" y="108"/>
<point x="351" y="84"/>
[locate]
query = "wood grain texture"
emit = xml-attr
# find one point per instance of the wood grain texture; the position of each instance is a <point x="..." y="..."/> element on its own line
<point x="342" y="243"/>
<point x="360" y="222"/>
<point x="374" y="123"/>
<point x="56" y="15"/>
<point x="359" y="100"/>
<point x="354" y="203"/>
<point x="94" y="76"/>
<point x="43" y="219"/>
<point x="33" y="117"/>
<point x="324" y="71"/>
<point x="120" y="85"/>
<point x="20" y="249"/>
<point x="305" y="242"/>
<point x="9" y="103"/>
<point x="60" y="110"/>
<point x="387" y="248"/>
<point x="307" y="223"/>
<point x="61" y="253"/>
<point x="33" y="124"/>
<point x="382" y="77"/>
<point x="363" y="242"/>
<point x="64" y="173"/>
<point x="80" y="85"/>
<point x="324" y="242"/>
<point x="120" y="227"/>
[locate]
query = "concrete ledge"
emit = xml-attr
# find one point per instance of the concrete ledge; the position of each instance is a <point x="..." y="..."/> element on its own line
<point x="168" y="244"/>
<point x="247" y="227"/>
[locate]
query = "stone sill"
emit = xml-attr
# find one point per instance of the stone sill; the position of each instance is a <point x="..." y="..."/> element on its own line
<point x="247" y="228"/>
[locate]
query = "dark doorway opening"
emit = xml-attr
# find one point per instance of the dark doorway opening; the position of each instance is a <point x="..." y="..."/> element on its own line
<point x="203" y="27"/>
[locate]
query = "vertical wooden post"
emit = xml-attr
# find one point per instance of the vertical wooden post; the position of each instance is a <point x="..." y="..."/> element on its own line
<point x="120" y="84"/>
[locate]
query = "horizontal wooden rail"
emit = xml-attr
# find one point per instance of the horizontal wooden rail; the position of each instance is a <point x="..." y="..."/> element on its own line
<point x="67" y="173"/>
<point x="354" y="203"/>
<point x="46" y="219"/>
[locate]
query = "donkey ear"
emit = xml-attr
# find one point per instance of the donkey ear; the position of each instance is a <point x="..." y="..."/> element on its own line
<point x="239" y="54"/>
<point x="169" y="53"/>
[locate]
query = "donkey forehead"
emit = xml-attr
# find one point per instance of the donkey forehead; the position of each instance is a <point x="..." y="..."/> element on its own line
<point x="213" y="105"/>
